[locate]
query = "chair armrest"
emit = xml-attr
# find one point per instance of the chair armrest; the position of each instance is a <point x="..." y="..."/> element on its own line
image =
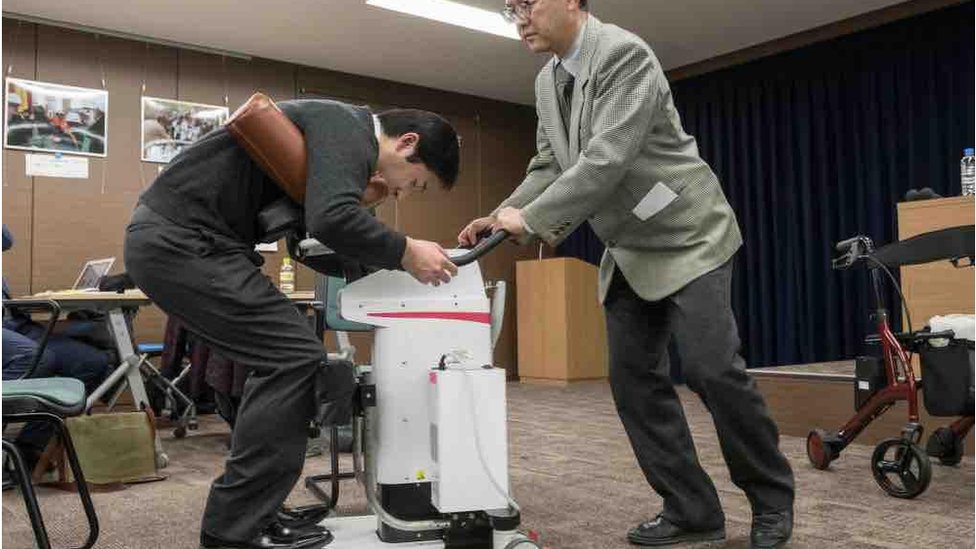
<point x="37" y="305"/>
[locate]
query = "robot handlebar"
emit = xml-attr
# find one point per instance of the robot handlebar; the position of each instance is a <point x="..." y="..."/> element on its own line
<point x="483" y="247"/>
<point x="316" y="255"/>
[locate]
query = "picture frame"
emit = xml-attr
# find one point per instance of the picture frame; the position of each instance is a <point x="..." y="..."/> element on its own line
<point x="55" y="118"/>
<point x="170" y="125"/>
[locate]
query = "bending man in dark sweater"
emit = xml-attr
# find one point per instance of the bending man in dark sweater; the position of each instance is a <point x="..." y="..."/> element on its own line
<point x="190" y="247"/>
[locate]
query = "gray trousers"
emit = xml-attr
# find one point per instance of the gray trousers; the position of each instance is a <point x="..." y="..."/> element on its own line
<point x="215" y="287"/>
<point x="700" y="318"/>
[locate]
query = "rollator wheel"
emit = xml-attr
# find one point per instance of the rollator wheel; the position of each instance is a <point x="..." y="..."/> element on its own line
<point x="901" y="468"/>
<point x="819" y="451"/>
<point x="179" y="432"/>
<point x="945" y="445"/>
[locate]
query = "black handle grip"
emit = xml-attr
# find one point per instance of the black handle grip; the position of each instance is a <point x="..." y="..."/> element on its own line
<point x="845" y="245"/>
<point x="486" y="245"/>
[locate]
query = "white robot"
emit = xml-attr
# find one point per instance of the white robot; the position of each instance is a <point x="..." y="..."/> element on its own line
<point x="430" y="442"/>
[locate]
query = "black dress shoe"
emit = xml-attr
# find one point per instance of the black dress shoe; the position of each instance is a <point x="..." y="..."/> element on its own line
<point x="278" y="531"/>
<point x="662" y="531"/>
<point x="300" y="517"/>
<point x="772" y="530"/>
<point x="271" y="538"/>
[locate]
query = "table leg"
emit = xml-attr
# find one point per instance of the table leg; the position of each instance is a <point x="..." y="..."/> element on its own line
<point x="123" y="343"/>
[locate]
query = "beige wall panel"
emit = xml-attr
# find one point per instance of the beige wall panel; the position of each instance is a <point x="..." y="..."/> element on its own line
<point x="79" y="219"/>
<point x="157" y="67"/>
<point x="18" y="54"/>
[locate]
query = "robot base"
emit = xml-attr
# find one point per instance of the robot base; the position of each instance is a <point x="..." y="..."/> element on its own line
<point x="360" y="533"/>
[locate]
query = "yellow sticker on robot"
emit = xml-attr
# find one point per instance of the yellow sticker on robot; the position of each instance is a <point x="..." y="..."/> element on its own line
<point x="421" y="475"/>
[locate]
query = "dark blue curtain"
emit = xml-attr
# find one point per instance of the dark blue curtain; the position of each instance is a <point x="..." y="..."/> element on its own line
<point x="818" y="144"/>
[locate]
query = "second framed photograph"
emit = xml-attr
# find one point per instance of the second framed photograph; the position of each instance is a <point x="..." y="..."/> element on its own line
<point x="169" y="126"/>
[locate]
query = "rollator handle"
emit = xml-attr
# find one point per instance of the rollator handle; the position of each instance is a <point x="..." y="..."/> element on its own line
<point x="845" y="245"/>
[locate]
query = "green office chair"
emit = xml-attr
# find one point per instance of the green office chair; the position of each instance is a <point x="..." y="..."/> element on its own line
<point x="50" y="400"/>
<point x="327" y="291"/>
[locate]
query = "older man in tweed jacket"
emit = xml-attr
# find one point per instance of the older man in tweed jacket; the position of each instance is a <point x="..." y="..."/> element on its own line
<point x="612" y="151"/>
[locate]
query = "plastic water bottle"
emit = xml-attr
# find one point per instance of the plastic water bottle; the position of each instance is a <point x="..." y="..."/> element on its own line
<point x="968" y="169"/>
<point x="286" y="277"/>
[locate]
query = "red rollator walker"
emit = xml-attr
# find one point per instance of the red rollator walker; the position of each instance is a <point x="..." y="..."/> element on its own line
<point x="886" y="376"/>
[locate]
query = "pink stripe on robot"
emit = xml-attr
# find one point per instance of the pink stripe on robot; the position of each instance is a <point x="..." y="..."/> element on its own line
<point x="481" y="318"/>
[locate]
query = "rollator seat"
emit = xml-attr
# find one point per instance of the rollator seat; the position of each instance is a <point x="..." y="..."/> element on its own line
<point x="61" y="396"/>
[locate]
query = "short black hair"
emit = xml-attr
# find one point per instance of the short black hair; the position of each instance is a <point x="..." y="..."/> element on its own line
<point x="583" y="5"/>
<point x="439" y="148"/>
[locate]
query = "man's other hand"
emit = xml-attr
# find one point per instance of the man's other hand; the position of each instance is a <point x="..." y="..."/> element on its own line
<point x="509" y="219"/>
<point x="427" y="262"/>
<point x="469" y="235"/>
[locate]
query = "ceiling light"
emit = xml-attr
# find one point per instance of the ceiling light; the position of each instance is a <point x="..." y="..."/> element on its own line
<point x="452" y="13"/>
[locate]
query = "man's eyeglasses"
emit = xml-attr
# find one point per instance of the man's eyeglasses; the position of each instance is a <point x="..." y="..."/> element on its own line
<point x="518" y="11"/>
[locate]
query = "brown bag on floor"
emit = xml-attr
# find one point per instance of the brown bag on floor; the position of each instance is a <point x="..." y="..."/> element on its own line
<point x="113" y="449"/>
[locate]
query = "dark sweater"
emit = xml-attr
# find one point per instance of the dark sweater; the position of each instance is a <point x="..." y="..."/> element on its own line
<point x="214" y="184"/>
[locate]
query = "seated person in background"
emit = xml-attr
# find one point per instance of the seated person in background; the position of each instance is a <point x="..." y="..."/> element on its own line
<point x="63" y="357"/>
<point x="18" y="354"/>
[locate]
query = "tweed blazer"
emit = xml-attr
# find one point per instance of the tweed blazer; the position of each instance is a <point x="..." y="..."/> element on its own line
<point x="626" y="165"/>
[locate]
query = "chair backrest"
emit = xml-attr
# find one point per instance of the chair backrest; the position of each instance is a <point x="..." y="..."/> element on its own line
<point x="327" y="291"/>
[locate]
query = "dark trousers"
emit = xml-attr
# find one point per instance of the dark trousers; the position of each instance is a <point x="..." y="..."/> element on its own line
<point x="699" y="317"/>
<point x="214" y="285"/>
<point x="63" y="357"/>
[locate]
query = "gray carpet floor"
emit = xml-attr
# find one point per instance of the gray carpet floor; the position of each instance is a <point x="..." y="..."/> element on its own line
<point x="573" y="473"/>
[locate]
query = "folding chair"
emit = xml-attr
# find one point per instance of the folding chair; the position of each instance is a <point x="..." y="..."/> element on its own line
<point x="49" y="400"/>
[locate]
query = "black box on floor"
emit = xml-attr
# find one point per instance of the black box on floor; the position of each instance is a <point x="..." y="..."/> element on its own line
<point x="869" y="378"/>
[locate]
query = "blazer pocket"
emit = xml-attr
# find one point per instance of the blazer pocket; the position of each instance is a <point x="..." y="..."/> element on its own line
<point x="658" y="198"/>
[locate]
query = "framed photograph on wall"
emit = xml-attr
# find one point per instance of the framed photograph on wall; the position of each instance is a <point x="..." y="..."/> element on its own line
<point x="46" y="117"/>
<point x="168" y="126"/>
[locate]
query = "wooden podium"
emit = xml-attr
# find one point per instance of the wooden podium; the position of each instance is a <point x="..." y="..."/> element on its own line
<point x="935" y="288"/>
<point x="561" y="330"/>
